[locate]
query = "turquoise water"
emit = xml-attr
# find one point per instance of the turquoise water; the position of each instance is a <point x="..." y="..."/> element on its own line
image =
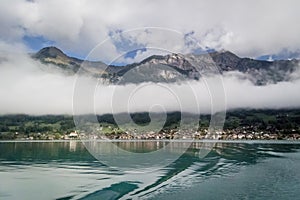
<point x="66" y="170"/>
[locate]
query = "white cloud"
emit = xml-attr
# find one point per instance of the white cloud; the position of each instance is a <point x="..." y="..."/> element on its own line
<point x="26" y="87"/>
<point x="248" y="28"/>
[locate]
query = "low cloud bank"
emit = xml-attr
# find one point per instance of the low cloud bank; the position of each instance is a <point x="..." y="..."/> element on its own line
<point x="27" y="87"/>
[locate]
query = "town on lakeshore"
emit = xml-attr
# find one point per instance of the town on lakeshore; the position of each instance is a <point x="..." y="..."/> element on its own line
<point x="239" y="125"/>
<point x="243" y="133"/>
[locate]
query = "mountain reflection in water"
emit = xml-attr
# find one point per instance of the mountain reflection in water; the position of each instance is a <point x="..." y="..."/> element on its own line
<point x="233" y="170"/>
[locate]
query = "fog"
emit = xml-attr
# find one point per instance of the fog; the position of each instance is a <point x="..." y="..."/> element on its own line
<point x="29" y="87"/>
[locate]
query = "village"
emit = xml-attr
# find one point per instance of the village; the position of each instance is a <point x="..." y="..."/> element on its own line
<point x="242" y="125"/>
<point x="197" y="135"/>
<point x="187" y="134"/>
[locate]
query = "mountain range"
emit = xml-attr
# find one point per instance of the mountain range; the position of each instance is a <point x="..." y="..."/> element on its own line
<point x="173" y="67"/>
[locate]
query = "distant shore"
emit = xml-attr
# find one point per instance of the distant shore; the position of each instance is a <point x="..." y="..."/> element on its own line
<point x="177" y="140"/>
<point x="243" y="124"/>
<point x="165" y="137"/>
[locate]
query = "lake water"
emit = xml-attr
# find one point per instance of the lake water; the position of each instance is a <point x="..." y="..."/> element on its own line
<point x="230" y="170"/>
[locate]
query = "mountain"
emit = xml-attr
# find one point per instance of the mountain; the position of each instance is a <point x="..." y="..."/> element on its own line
<point x="258" y="71"/>
<point x="53" y="55"/>
<point x="174" y="67"/>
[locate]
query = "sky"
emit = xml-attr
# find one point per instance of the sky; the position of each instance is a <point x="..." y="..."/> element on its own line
<point x="266" y="29"/>
<point x="128" y="31"/>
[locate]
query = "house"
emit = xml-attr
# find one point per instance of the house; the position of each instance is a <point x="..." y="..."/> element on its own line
<point x="73" y="135"/>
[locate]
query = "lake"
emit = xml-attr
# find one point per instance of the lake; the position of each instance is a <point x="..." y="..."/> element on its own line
<point x="84" y="170"/>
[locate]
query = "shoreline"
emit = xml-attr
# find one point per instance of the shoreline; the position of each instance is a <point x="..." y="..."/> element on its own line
<point x="162" y="140"/>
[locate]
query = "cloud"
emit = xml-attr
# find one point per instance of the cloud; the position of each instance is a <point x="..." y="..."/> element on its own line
<point x="196" y="96"/>
<point x="248" y="28"/>
<point x="28" y="87"/>
<point x="243" y="94"/>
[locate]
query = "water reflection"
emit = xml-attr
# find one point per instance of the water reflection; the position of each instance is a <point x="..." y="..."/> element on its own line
<point x="92" y="179"/>
<point x="137" y="156"/>
<point x="73" y="145"/>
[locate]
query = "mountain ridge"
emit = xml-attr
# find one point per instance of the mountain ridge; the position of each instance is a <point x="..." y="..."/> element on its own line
<point x="192" y="66"/>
